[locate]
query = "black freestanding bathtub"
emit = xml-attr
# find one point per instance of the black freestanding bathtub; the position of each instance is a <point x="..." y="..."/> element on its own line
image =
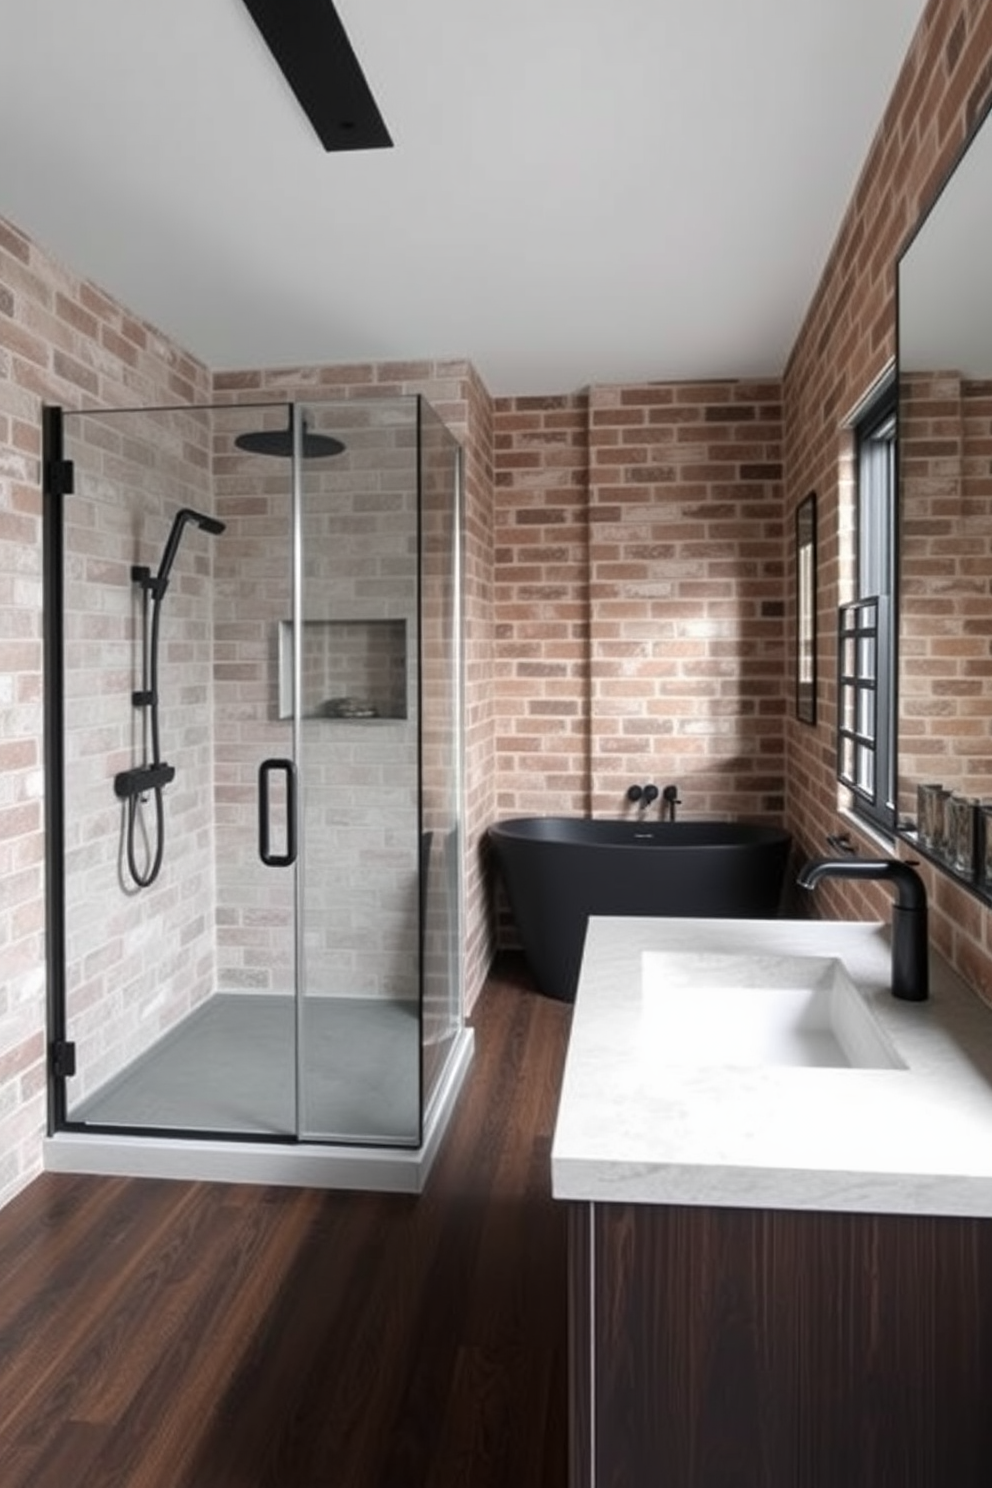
<point x="559" y="870"/>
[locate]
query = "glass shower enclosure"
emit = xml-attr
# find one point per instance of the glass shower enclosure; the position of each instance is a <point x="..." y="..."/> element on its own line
<point x="255" y="749"/>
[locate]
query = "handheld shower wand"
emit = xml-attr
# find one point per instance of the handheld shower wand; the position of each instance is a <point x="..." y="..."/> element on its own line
<point x="133" y="786"/>
<point x="184" y="515"/>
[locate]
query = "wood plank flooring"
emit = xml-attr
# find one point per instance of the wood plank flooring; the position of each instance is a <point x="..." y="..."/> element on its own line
<point x="188" y="1335"/>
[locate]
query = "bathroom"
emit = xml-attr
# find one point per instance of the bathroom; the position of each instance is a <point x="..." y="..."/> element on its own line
<point x="629" y="612"/>
<point x="600" y="646"/>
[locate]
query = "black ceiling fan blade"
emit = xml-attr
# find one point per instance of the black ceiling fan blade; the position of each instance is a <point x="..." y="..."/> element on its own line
<point x="311" y="46"/>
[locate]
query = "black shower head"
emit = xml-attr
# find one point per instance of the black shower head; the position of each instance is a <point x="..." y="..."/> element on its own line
<point x="279" y="442"/>
<point x="183" y="515"/>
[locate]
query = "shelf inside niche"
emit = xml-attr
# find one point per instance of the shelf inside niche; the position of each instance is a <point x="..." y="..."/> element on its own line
<point x="351" y="670"/>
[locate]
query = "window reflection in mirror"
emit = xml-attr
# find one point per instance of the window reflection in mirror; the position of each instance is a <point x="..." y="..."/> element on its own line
<point x="945" y="489"/>
<point x="806" y="609"/>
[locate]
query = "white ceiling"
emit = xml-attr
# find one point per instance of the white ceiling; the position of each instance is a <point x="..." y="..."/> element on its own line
<point x="581" y="191"/>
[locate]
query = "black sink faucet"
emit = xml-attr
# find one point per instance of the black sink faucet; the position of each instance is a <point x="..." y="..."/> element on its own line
<point x="910" y="948"/>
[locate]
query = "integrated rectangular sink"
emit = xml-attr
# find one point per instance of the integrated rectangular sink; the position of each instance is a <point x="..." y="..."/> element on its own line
<point x="748" y="1010"/>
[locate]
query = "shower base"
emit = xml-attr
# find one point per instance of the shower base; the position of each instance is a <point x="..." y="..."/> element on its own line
<point x="230" y="1068"/>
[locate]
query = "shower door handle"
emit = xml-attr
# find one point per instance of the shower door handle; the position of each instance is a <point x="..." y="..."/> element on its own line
<point x="267" y="769"/>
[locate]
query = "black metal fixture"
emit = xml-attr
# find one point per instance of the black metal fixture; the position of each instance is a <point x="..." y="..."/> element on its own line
<point x="311" y="46"/>
<point x="135" y="785"/>
<point x="279" y="442"/>
<point x="910" y="939"/>
<point x="645" y="795"/>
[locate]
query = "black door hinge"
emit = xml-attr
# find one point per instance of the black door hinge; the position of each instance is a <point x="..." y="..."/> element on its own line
<point x="63" y="1059"/>
<point x="59" y="477"/>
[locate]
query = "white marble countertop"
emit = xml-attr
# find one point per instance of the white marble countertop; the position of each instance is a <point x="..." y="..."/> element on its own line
<point x="633" y="1129"/>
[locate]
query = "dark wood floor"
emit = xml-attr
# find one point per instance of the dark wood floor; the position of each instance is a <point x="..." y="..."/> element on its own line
<point x="189" y="1335"/>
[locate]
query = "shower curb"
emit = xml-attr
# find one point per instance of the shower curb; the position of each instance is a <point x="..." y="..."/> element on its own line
<point x="296" y="1165"/>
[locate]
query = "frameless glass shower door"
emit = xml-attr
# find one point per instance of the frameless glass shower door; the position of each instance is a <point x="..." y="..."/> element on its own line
<point x="441" y="758"/>
<point x="359" y="719"/>
<point x="179" y="943"/>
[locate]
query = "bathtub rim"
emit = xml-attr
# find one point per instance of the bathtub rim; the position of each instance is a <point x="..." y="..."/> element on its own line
<point x="592" y="832"/>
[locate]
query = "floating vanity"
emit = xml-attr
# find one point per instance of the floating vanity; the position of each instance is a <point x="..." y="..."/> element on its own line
<point x="779" y="1182"/>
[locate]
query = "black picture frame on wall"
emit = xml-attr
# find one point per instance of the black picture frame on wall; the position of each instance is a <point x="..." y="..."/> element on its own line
<point x="806" y="609"/>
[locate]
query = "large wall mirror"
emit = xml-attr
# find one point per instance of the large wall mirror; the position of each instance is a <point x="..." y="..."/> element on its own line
<point x="945" y="496"/>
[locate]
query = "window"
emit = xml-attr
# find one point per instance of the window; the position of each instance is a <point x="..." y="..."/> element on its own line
<point x="866" y="633"/>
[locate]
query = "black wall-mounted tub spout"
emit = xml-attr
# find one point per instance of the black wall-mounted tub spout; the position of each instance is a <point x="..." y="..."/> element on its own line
<point x="910" y="940"/>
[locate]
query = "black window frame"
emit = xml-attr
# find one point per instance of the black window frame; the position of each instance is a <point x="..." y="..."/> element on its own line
<point x="867" y="630"/>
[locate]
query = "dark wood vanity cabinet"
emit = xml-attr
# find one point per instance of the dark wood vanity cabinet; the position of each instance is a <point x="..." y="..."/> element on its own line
<point x="732" y="1348"/>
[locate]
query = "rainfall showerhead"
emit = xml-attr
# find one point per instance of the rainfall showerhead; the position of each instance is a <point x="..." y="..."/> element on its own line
<point x="279" y="442"/>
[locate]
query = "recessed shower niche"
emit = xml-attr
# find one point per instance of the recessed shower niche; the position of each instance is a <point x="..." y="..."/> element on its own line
<point x="349" y="669"/>
<point x="292" y="974"/>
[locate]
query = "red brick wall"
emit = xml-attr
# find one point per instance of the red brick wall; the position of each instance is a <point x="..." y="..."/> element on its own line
<point x="688" y="669"/>
<point x="541" y="606"/>
<point x="639" y="608"/>
<point x="846" y="341"/>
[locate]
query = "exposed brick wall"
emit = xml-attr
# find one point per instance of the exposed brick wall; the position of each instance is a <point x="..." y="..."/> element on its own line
<point x="688" y="668"/>
<point x="541" y="606"/>
<point x="61" y="341"/>
<point x="846" y="341"/>
<point x="638" y="600"/>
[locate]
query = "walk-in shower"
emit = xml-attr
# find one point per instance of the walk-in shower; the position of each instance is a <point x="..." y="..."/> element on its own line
<point x="254" y="802"/>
